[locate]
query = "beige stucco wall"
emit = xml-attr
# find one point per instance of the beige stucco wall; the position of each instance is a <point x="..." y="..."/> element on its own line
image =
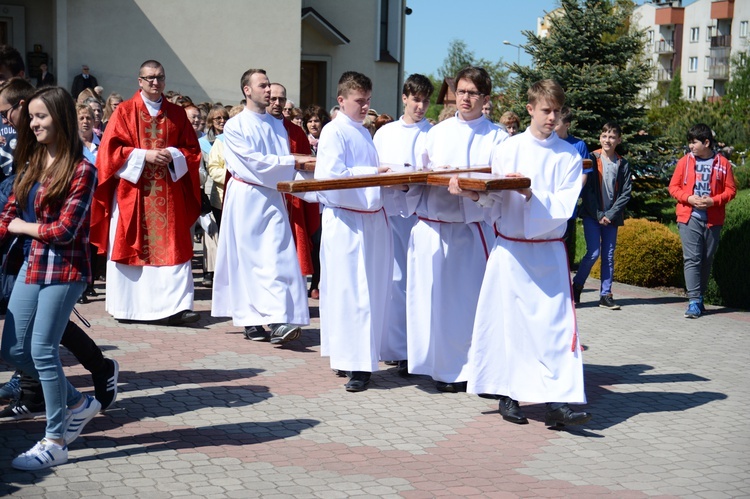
<point x="204" y="46"/>
<point x="359" y="22"/>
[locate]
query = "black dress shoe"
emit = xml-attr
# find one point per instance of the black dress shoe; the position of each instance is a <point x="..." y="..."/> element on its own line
<point x="184" y="317"/>
<point x="358" y="382"/>
<point x="403" y="368"/>
<point x="90" y="291"/>
<point x="455" y="387"/>
<point x="510" y="411"/>
<point x="208" y="280"/>
<point x="564" y="416"/>
<point x="83" y="300"/>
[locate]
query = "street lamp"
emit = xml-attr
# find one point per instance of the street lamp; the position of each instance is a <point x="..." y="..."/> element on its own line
<point x="518" y="59"/>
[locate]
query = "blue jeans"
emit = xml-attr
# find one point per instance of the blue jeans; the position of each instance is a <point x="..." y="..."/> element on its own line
<point x="35" y="322"/>
<point x="600" y="239"/>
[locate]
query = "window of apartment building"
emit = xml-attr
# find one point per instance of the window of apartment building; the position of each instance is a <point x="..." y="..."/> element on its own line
<point x="710" y="31"/>
<point x="708" y="91"/>
<point x="706" y="63"/>
<point x="691" y="92"/>
<point x="695" y="34"/>
<point x="650" y="37"/>
<point x="743" y="29"/>
<point x="692" y="65"/>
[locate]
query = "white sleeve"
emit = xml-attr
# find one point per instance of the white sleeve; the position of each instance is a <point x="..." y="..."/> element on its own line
<point x="133" y="167"/>
<point x="178" y="168"/>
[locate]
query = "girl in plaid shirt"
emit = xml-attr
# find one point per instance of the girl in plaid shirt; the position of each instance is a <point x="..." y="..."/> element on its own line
<point x="50" y="207"/>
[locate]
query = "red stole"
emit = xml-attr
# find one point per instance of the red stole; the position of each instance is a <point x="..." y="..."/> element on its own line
<point x="304" y="217"/>
<point x="156" y="213"/>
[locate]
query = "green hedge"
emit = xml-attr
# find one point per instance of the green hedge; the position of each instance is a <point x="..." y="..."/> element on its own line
<point x="730" y="281"/>
<point x="647" y="254"/>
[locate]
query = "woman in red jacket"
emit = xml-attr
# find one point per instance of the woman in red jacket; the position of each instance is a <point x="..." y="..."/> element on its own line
<point x="702" y="184"/>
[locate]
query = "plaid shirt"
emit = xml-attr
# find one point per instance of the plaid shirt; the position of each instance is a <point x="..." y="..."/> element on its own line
<point x="61" y="252"/>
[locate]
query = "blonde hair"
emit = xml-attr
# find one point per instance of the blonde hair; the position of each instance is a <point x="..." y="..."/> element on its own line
<point x="548" y="90"/>
<point x="509" y="117"/>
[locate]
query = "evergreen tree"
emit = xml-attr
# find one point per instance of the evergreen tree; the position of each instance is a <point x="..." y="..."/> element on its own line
<point x="598" y="58"/>
<point x="674" y="92"/>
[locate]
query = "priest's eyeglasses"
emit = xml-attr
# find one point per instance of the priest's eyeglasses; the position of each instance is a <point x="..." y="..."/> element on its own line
<point x="153" y="79"/>
<point x="470" y="93"/>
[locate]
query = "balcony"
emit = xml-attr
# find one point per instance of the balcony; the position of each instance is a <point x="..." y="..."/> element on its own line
<point x="721" y="41"/>
<point x="718" y="71"/>
<point x="663" y="75"/>
<point x="669" y="15"/>
<point x="664" y="47"/>
<point x="722" y="9"/>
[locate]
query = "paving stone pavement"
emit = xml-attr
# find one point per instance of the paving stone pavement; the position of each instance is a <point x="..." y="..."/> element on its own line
<point x="202" y="412"/>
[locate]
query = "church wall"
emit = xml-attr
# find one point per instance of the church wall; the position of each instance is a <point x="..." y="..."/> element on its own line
<point x="204" y="46"/>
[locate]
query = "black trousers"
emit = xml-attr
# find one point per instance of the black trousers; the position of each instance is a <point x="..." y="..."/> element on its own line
<point x="81" y="346"/>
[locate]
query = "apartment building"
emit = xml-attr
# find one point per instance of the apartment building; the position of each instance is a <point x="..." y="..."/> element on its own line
<point x="696" y="39"/>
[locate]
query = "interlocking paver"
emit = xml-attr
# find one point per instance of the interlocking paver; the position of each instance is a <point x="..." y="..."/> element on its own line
<point x="204" y="413"/>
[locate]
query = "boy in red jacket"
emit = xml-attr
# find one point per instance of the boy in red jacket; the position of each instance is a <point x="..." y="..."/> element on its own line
<point x="702" y="184"/>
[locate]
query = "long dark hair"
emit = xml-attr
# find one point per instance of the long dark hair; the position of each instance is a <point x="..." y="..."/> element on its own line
<point x="30" y="154"/>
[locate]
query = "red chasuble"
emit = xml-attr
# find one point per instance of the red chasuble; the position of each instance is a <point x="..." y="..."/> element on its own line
<point x="156" y="213"/>
<point x="304" y="217"/>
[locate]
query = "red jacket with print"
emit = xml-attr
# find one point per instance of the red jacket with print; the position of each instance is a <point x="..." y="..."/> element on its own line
<point x="722" y="187"/>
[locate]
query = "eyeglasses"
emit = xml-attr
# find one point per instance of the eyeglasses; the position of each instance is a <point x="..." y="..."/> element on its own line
<point x="220" y="118"/>
<point x="153" y="79"/>
<point x="472" y="94"/>
<point x="4" y="114"/>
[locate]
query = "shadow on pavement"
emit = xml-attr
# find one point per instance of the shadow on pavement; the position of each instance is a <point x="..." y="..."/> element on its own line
<point x="611" y="407"/>
<point x="237" y="434"/>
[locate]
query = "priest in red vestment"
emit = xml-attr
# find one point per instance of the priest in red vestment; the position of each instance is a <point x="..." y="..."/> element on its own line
<point x="146" y="201"/>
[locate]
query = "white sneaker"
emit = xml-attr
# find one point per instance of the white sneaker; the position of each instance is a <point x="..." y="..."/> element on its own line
<point x="78" y="418"/>
<point x="43" y="455"/>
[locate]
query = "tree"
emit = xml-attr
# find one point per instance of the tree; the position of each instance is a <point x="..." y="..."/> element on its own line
<point x="598" y="58"/>
<point x="736" y="103"/>
<point x="674" y="92"/>
<point x="459" y="56"/>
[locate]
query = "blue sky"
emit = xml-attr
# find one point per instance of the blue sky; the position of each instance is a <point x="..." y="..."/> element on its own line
<point x="482" y="24"/>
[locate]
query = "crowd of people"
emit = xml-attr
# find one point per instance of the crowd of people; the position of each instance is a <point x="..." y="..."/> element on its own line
<point x="122" y="190"/>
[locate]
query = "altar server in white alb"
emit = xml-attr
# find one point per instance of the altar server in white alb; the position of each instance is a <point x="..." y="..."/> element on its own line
<point x="450" y="243"/>
<point x="525" y="344"/>
<point x="356" y="254"/>
<point x="401" y="143"/>
<point x="257" y="279"/>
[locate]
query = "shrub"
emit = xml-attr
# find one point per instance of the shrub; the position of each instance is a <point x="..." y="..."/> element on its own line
<point x="730" y="282"/>
<point x="742" y="177"/>
<point x="647" y="254"/>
